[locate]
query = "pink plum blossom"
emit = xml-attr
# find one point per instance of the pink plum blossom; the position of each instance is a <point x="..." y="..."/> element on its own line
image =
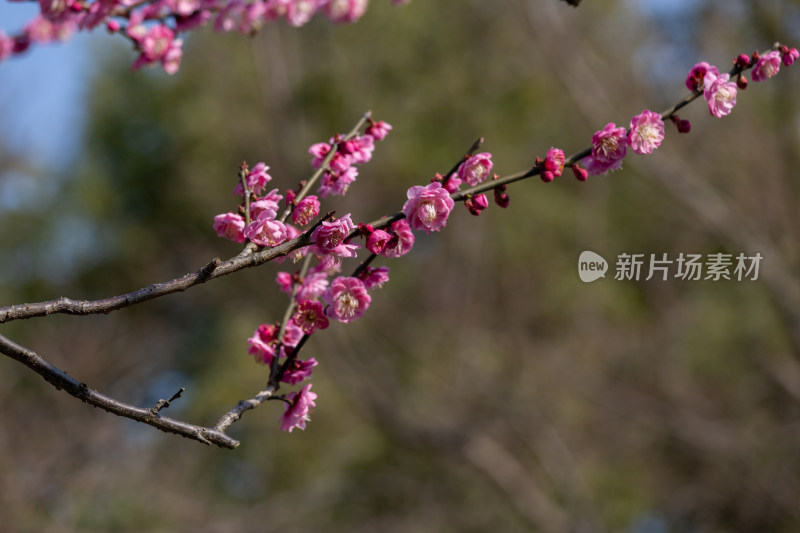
<point x="596" y="168"/>
<point x="256" y="180"/>
<point x="767" y="66"/>
<point x="374" y="277"/>
<point x="305" y="210"/>
<point x="646" y="132"/>
<point x="285" y="281"/>
<point x="476" y="168"/>
<point x="427" y="208"/>
<point x="310" y="315"/>
<point x="329" y="237"/>
<point x="292" y="334"/>
<point x="267" y="203"/>
<point x="452" y="183"/>
<point x="553" y="164"/>
<point x="230" y="226"/>
<point x="720" y="93"/>
<point x="313" y="286"/>
<point x="476" y="204"/>
<point x="300" y="12"/>
<point x="376" y="242"/>
<point x="347" y="299"/>
<point x="696" y="76"/>
<point x="402" y="240"/>
<point x="318" y="153"/>
<point x="609" y="145"/>
<point x="337" y="184"/>
<point x="265" y="230"/>
<point x="789" y="55"/>
<point x="261" y="344"/>
<point x="296" y="414"/>
<point x="298" y="371"/>
<point x="379" y="130"/>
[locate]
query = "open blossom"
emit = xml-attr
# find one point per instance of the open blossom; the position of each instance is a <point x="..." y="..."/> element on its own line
<point x="720" y="93"/>
<point x="296" y="414"/>
<point x="310" y="315"/>
<point x="266" y="203"/>
<point x="609" y="145"/>
<point x="596" y="168"/>
<point x="313" y="286"/>
<point x="285" y="281"/>
<point x="265" y="230"/>
<point x="697" y="74"/>
<point x="329" y="237"/>
<point x="767" y="66"/>
<point x="230" y="226"/>
<point x="256" y="180"/>
<point x="427" y="208"/>
<point x="374" y="277"/>
<point x="476" y="168"/>
<point x="379" y="130"/>
<point x="300" y="11"/>
<point x="646" y="132"/>
<point x="402" y="240"/>
<point x="305" y="210"/>
<point x="347" y="299"/>
<point x="299" y="370"/>
<point x="337" y="183"/>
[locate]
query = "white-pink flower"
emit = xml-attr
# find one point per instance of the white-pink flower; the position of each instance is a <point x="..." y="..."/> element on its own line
<point x="329" y="237"/>
<point x="296" y="414"/>
<point x="256" y="180"/>
<point x="609" y="145"/>
<point x="230" y="226"/>
<point x="767" y="66"/>
<point x="427" y="208"/>
<point x="720" y="93"/>
<point x="265" y="230"/>
<point x="347" y="299"/>
<point x="646" y="132"/>
<point x="476" y="168"/>
<point x="300" y="11"/>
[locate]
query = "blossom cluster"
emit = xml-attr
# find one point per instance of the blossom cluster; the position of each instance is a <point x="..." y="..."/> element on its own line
<point x="152" y="26"/>
<point x="319" y="293"/>
<point x="646" y="130"/>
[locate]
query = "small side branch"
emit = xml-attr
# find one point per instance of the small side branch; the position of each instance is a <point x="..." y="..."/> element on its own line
<point x="62" y="381"/>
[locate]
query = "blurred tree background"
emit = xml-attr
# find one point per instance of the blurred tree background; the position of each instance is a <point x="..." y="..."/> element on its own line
<point x="487" y="388"/>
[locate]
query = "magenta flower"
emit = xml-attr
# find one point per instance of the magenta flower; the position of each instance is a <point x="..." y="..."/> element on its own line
<point x="256" y="180"/>
<point x="337" y="183"/>
<point x="347" y="299"/>
<point x="361" y="149"/>
<point x="329" y="237"/>
<point x="402" y="239"/>
<point x="476" y="168"/>
<point x="646" y="132"/>
<point x="313" y="286"/>
<point x="452" y="183"/>
<point x="581" y="174"/>
<point x="263" y="204"/>
<point x="720" y="93"/>
<point x="296" y="414"/>
<point x="789" y="55"/>
<point x="376" y="242"/>
<point x="285" y="281"/>
<point x="265" y="230"/>
<point x="261" y="343"/>
<point x="554" y="161"/>
<point x="374" y="277"/>
<point x="156" y="42"/>
<point x="310" y="315"/>
<point x="767" y="66"/>
<point x="298" y="371"/>
<point x="306" y="209"/>
<point x="476" y="204"/>
<point x="427" y="208"/>
<point x="696" y="76"/>
<point x="318" y="152"/>
<point x="609" y="145"/>
<point x="379" y="130"/>
<point x="230" y="226"/>
<point x="596" y="168"/>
